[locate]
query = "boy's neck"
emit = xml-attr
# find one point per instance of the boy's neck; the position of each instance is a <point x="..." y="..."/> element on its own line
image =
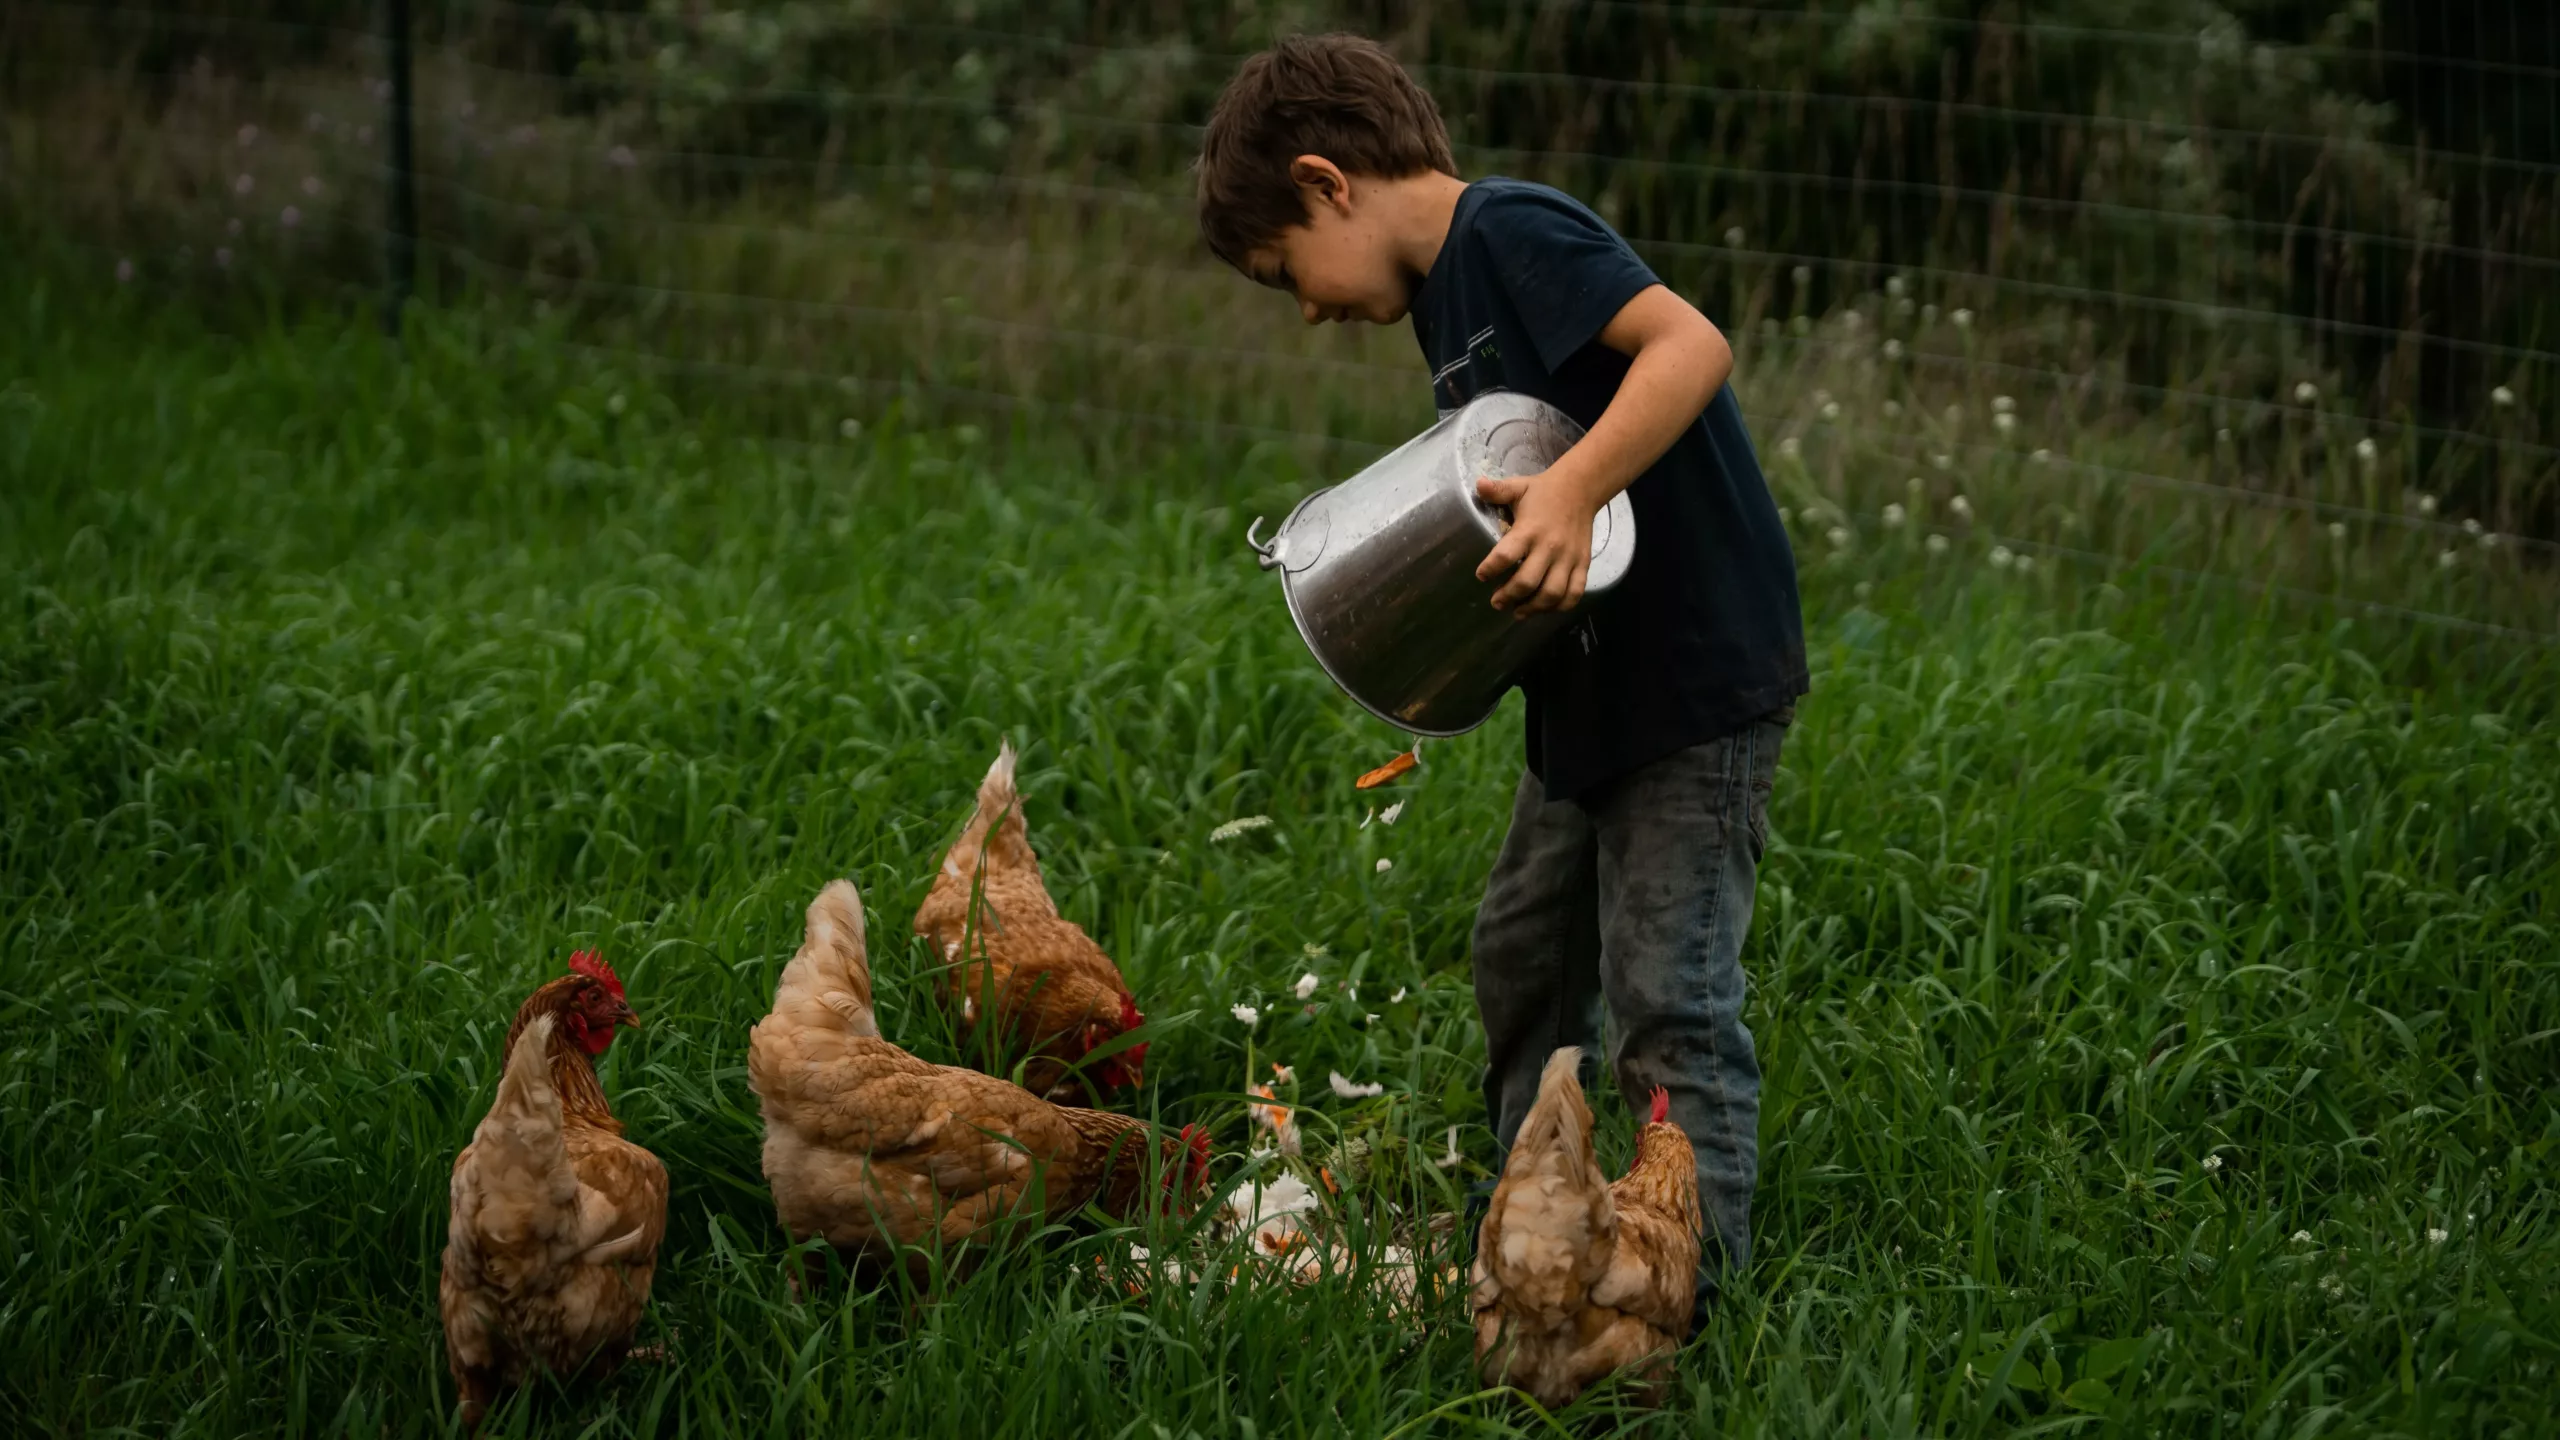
<point x="1416" y="213"/>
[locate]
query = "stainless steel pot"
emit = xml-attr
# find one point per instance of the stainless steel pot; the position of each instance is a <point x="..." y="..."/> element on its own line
<point x="1380" y="570"/>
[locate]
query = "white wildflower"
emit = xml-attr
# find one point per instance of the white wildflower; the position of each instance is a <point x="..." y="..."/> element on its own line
<point x="2488" y="539"/>
<point x="2212" y="1163"/>
<point x="1385" y="864"/>
<point x="1863" y="590"/>
<point x="1928" y="314"/>
<point x="1830" y="409"/>
<point x="2003" y="405"/>
<point x="2444" y="560"/>
<point x="1803" y="275"/>
<point x="1234" y="828"/>
<point x="2026" y="563"/>
<point x="2305" y="393"/>
<point x="2367" y="452"/>
<point x="1955" y="414"/>
<point x="2426" y="503"/>
<point x="1894" y="286"/>
<point x="1943" y="461"/>
<point x="1398" y="997"/>
<point x="1307" y="984"/>
<point x="1893" y="409"/>
<point x="243" y="184"/>
<point x="1915" y="485"/>
<point x="2436" y="1236"/>
<point x="1343" y="1087"/>
<point x="1893" y="517"/>
<point x="1893" y="349"/>
<point x="1390" y="815"/>
<point x="614" y="404"/>
<point x="1786" y="516"/>
<point x="2470" y="526"/>
<point x="1838" y="536"/>
<point x="1791" y="448"/>
<point x="2337" y="529"/>
<point x="289" y="217"/>
<point x="1733" y="238"/>
<point x="2004" y="423"/>
<point x="2000" y="557"/>
<point x="849" y="428"/>
<point x="1937" y="544"/>
<point x="2332" y="1286"/>
<point x="2301" y="1237"/>
<point x="1962" y="507"/>
<point x="1963" y="319"/>
<point x="2502" y="397"/>
<point x="1246" y="1014"/>
<point x="2041" y="457"/>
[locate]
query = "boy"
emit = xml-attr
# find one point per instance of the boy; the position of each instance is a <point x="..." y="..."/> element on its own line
<point x="1654" y="723"/>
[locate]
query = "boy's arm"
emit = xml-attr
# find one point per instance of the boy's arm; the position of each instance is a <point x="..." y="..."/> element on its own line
<point x="1679" y="361"/>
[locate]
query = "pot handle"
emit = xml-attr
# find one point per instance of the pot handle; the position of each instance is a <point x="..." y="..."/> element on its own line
<point x="1267" y="550"/>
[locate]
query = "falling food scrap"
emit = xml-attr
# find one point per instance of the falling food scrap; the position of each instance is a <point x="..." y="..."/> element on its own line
<point x="1407" y="761"/>
<point x="1274" y="1117"/>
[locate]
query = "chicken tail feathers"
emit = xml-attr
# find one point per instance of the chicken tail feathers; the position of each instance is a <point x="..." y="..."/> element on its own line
<point x="1548" y="1232"/>
<point x="522" y="1131"/>
<point x="995" y="835"/>
<point x="833" y="968"/>
<point x="1559" y="1121"/>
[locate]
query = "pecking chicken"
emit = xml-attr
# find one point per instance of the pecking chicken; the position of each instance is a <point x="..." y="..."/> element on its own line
<point x="1575" y="1278"/>
<point x="556" y="1218"/>
<point x="1005" y="947"/>
<point x="882" y="1153"/>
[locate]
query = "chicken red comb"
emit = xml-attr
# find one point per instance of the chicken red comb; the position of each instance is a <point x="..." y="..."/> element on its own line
<point x="1130" y="1018"/>
<point x="591" y="965"/>
<point x="1661" y="1105"/>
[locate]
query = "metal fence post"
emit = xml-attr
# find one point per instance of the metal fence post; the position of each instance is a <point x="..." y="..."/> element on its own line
<point x="403" y="219"/>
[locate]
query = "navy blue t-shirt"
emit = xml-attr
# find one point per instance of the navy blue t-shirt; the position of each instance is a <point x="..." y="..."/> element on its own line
<point x="1704" y="635"/>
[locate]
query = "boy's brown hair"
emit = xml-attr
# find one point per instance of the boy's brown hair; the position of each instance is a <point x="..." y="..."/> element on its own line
<point x="1339" y="96"/>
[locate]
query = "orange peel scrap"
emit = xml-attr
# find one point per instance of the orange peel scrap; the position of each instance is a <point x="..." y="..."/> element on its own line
<point x="1389" y="771"/>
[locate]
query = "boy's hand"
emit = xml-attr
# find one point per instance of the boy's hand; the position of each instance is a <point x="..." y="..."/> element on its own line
<point x="1547" y="550"/>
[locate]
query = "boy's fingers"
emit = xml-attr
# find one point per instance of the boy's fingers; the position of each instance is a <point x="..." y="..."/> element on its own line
<point x="1525" y="582"/>
<point x="1504" y="558"/>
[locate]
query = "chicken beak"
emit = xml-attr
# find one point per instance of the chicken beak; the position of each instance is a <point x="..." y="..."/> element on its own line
<point x="623" y="1016"/>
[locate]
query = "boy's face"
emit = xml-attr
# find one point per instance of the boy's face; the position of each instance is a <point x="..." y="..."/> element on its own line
<point x="1341" y="264"/>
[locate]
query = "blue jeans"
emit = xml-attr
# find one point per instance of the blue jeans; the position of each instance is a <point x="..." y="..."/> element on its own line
<point x="1639" y="896"/>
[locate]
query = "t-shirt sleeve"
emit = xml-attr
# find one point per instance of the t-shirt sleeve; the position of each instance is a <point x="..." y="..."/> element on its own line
<point x="1567" y="274"/>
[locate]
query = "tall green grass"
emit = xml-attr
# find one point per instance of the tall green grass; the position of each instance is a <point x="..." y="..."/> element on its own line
<point x="2157" y="987"/>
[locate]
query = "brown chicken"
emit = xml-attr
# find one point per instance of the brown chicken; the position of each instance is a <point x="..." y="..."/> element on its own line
<point x="1006" y="948"/>
<point x="886" y="1155"/>
<point x="556" y="1218"/>
<point x="1576" y="1278"/>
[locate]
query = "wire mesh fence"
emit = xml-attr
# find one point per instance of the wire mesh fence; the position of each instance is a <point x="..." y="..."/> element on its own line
<point x="2255" y="296"/>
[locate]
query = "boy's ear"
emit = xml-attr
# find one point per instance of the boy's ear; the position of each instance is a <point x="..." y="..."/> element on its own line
<point x="1323" y="181"/>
